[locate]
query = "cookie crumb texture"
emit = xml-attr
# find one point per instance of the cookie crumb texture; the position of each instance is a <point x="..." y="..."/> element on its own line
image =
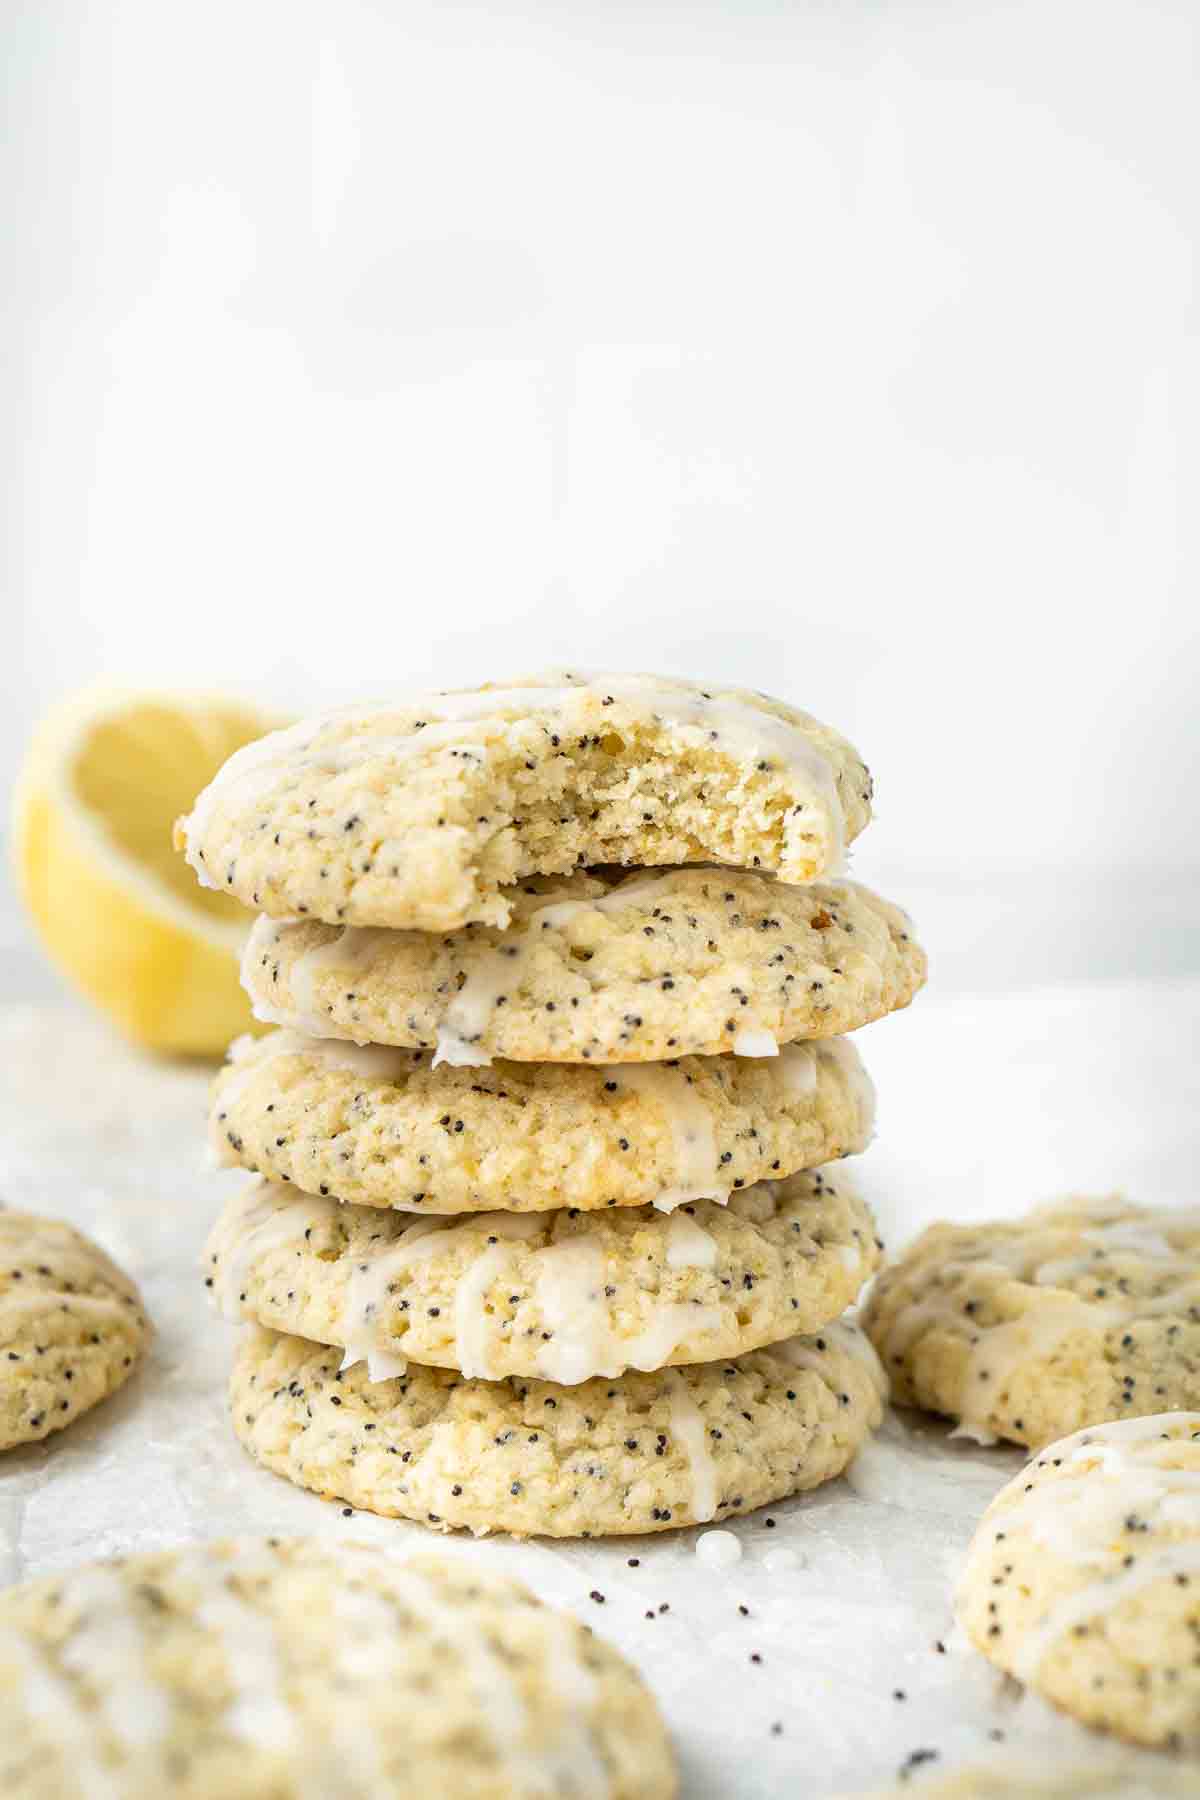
<point x="1030" y="1329"/>
<point x="563" y="1296"/>
<point x="383" y="1127"/>
<point x="1083" y="1579"/>
<point x="612" y="968"/>
<point x="71" y="1326"/>
<point x="280" y="1669"/>
<point x="647" y="1452"/>
<point x="419" y="815"/>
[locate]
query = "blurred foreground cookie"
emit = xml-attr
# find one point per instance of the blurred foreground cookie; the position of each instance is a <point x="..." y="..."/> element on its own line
<point x="384" y="1128"/>
<point x="1083" y="1579"/>
<point x="71" y="1326"/>
<point x="1111" y="1775"/>
<point x="645" y="1452"/>
<point x="419" y="814"/>
<point x="288" y="1669"/>
<point x="1030" y="1328"/>
<point x="612" y="967"/>
<point x="562" y="1295"/>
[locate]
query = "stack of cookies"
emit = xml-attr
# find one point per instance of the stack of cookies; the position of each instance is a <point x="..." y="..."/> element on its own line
<point x="542" y="1238"/>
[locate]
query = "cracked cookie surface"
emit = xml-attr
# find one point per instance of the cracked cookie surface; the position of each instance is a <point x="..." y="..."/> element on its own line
<point x="383" y="1127"/>
<point x="604" y="966"/>
<point x="643" y="1452"/>
<point x="563" y="1295"/>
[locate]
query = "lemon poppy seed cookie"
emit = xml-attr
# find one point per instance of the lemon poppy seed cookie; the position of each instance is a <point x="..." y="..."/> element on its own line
<point x="383" y="1127"/>
<point x="561" y="1295"/>
<point x="419" y="814"/>
<point x="605" y="967"/>
<point x="1083" y="1579"/>
<point x="1116" y="1774"/>
<point x="1029" y="1329"/>
<point x="280" y="1669"/>
<point x="71" y="1326"/>
<point x="644" y="1452"/>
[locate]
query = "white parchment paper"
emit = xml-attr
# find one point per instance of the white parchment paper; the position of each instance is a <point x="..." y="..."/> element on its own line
<point x="987" y="1104"/>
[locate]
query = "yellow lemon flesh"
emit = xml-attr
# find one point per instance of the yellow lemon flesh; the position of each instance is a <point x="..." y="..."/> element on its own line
<point x="119" y="913"/>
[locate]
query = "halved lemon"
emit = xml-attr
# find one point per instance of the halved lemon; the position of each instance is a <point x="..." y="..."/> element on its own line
<point x="119" y="913"/>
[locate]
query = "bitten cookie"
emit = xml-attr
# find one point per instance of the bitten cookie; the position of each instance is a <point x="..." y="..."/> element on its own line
<point x="71" y="1326"/>
<point x="384" y="1128"/>
<point x="561" y="1295"/>
<point x="282" y="1669"/>
<point x="419" y="814"/>
<point x="642" y="1453"/>
<point x="619" y="968"/>
<point x="1027" y="1329"/>
<point x="1083" y="1579"/>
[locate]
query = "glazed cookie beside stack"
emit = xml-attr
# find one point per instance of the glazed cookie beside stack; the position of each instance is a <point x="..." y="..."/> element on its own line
<point x="1108" y="1775"/>
<point x="1029" y="1329"/>
<point x="1083" y="1579"/>
<point x="289" y="1668"/>
<point x="544" y="1238"/>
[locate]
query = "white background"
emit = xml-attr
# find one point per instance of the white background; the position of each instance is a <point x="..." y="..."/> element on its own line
<point x="849" y="350"/>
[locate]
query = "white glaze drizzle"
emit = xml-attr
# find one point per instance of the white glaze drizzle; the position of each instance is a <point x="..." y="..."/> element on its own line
<point x="1029" y="1256"/>
<point x="693" y="1134"/>
<point x="755" y="735"/>
<point x="1098" y="1598"/>
<point x="671" y="1323"/>
<point x="266" y="1217"/>
<point x="367" y="1649"/>
<point x="1085" y="1520"/>
<point x="718" y="1549"/>
<point x="465" y="1019"/>
<point x="568" y="1289"/>
<point x="364" y="1316"/>
<point x="473" y="1324"/>
<point x="263" y="936"/>
<point x="848" y="1060"/>
<point x="258" y="1712"/>
<point x="362" y="1323"/>
<point x="55" y="1705"/>
<point x="499" y="970"/>
<point x="569" y="1292"/>
<point x="367" y="1062"/>
<point x="500" y="1704"/>
<point x="797" y="1070"/>
<point x="565" y="1762"/>
<point x="687" y="1426"/>
<point x="106" y="1649"/>
<point x="689" y="1246"/>
<point x="849" y="1340"/>
<point x="354" y="946"/>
